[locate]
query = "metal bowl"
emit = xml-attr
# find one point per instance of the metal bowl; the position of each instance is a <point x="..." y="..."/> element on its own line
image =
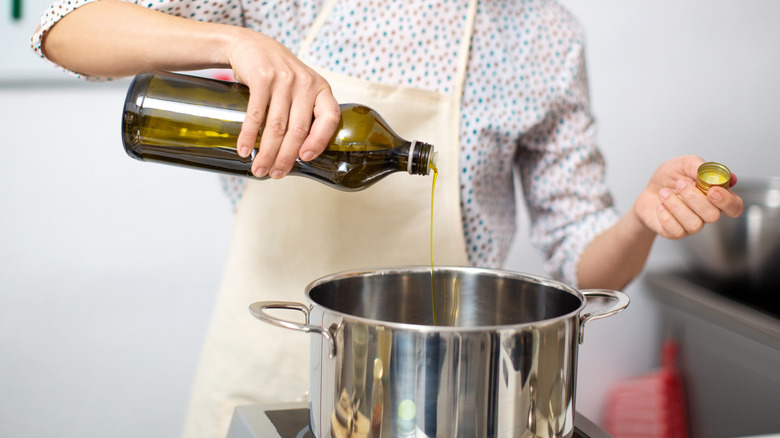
<point x="746" y="248"/>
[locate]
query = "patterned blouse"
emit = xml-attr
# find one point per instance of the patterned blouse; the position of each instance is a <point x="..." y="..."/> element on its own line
<point x="525" y="106"/>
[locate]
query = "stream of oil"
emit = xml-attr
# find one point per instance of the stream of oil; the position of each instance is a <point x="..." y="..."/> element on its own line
<point x="433" y="288"/>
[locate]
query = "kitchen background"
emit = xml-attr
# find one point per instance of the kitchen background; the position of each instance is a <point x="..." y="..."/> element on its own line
<point x="110" y="267"/>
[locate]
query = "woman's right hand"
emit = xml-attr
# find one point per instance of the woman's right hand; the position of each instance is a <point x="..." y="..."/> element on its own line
<point x="284" y="94"/>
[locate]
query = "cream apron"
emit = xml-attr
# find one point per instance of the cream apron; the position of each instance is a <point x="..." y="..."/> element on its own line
<point x="290" y="232"/>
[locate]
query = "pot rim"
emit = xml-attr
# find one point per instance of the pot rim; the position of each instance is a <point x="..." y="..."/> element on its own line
<point x="447" y="328"/>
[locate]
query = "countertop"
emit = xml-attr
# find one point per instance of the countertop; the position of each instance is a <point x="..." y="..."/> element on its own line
<point x="727" y="305"/>
<point x="729" y="356"/>
<point x="250" y="421"/>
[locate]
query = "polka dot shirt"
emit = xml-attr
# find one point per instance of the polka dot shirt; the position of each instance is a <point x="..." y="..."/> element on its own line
<point x="525" y="107"/>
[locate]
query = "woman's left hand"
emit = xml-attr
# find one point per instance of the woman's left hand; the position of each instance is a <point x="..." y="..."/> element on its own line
<point x="673" y="207"/>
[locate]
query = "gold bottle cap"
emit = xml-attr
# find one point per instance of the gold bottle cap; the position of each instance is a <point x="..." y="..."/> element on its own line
<point x="712" y="174"/>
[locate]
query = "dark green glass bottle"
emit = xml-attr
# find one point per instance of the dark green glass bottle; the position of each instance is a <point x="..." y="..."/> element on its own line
<point x="194" y="122"/>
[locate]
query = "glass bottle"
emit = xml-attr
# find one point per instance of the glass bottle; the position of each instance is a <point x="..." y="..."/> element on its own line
<point x="194" y="122"/>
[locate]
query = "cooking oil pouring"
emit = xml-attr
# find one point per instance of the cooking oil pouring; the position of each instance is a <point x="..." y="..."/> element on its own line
<point x="194" y="122"/>
<point x="433" y="287"/>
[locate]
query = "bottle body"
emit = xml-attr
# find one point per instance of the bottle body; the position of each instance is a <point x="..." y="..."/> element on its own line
<point x="195" y="122"/>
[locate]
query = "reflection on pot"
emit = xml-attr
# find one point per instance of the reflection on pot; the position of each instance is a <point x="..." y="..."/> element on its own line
<point x="359" y="357"/>
<point x="377" y="400"/>
<point x="347" y="421"/>
<point x="479" y="384"/>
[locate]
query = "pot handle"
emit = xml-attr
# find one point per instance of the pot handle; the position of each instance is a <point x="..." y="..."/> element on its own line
<point x="601" y="309"/>
<point x="258" y="311"/>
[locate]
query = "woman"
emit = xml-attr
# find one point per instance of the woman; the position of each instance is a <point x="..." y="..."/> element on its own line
<point x="493" y="85"/>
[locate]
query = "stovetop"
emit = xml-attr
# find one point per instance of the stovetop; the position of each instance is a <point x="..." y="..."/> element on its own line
<point x="291" y="420"/>
<point x="740" y="290"/>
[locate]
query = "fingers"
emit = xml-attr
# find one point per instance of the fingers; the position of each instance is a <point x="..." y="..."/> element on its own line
<point x="253" y="121"/>
<point x="733" y="181"/>
<point x="284" y="96"/>
<point x="685" y="210"/>
<point x="289" y="134"/>
<point x="267" y="161"/>
<point x="326" y="120"/>
<point x="729" y="203"/>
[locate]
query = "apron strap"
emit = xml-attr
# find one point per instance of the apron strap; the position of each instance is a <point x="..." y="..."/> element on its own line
<point x="465" y="49"/>
<point x="315" y="28"/>
<point x="463" y="53"/>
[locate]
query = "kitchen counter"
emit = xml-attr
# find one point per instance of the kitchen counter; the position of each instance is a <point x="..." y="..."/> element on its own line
<point x="729" y="352"/>
<point x="727" y="305"/>
<point x="290" y="420"/>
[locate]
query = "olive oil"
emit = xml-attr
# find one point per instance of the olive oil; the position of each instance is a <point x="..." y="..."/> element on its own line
<point x="195" y="122"/>
<point x="433" y="287"/>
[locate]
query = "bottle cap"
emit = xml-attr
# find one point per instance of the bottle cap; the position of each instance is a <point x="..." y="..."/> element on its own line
<point x="422" y="158"/>
<point x="712" y="174"/>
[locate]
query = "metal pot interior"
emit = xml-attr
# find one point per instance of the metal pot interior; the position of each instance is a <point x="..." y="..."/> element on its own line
<point x="465" y="297"/>
<point x="743" y="251"/>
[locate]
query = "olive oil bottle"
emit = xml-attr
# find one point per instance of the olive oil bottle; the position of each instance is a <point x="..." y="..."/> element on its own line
<point x="194" y="122"/>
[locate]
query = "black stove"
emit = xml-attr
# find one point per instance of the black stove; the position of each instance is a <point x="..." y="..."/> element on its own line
<point x="741" y="290"/>
<point x="291" y="420"/>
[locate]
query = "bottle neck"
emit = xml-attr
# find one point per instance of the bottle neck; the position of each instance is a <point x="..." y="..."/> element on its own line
<point x="421" y="158"/>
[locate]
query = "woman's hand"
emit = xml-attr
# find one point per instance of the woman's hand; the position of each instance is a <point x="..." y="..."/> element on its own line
<point x="284" y="93"/>
<point x="670" y="206"/>
<point x="673" y="207"/>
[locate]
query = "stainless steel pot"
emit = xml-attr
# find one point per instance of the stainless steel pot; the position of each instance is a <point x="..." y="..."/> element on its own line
<point x="501" y="361"/>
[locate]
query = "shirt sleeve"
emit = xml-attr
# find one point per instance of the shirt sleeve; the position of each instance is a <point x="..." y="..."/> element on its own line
<point x="563" y="174"/>
<point x="49" y="18"/>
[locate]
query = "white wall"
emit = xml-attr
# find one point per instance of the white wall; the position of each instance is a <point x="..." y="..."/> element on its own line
<point x="109" y="266"/>
<point x="669" y="78"/>
<point x="109" y="270"/>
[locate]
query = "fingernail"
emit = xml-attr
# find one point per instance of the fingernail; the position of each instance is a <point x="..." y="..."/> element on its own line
<point x="665" y="193"/>
<point x="661" y="207"/>
<point x="276" y="174"/>
<point x="716" y="195"/>
<point x="260" y="172"/>
<point x="243" y="151"/>
<point x="308" y="155"/>
<point x="681" y="184"/>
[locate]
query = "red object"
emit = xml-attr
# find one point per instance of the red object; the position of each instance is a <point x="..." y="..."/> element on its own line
<point x="224" y="75"/>
<point x="651" y="405"/>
